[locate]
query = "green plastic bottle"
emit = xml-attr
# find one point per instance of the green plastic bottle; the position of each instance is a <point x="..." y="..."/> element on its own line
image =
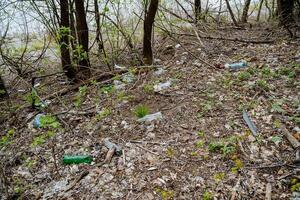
<point x="77" y="159"/>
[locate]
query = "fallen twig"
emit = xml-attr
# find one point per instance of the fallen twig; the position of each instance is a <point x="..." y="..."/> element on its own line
<point x="268" y="191"/>
<point x="81" y="176"/>
<point x="147" y="150"/>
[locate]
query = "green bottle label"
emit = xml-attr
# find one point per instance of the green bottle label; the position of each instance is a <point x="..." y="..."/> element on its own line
<point x="77" y="159"/>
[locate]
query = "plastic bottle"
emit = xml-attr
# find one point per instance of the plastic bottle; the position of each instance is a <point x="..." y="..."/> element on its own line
<point x="77" y="159"/>
<point x="37" y="121"/>
<point x="238" y="65"/>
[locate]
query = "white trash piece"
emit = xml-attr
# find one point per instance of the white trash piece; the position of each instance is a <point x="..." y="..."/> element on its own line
<point x="119" y="67"/>
<point x="119" y="85"/>
<point x="177" y="46"/>
<point x="162" y="86"/>
<point x="128" y="78"/>
<point x="159" y="71"/>
<point x="151" y="117"/>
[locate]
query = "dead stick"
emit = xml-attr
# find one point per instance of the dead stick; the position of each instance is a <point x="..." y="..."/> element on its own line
<point x="81" y="176"/>
<point x="147" y="150"/>
<point x="294" y="142"/>
<point x="268" y="191"/>
<point x="109" y="155"/>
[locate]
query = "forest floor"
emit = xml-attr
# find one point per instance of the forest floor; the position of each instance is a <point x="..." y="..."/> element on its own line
<point x="201" y="148"/>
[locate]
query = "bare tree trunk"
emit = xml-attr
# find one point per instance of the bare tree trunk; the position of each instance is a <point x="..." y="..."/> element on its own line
<point x="269" y="9"/>
<point x="245" y="11"/>
<point x="219" y="12"/>
<point x="83" y="37"/>
<point x="273" y="9"/>
<point x="197" y="10"/>
<point x="64" y="40"/>
<point x="285" y="12"/>
<point x="3" y="91"/>
<point x="148" y="26"/>
<point x="259" y="10"/>
<point x="97" y="19"/>
<point x="231" y="13"/>
<point x="72" y="25"/>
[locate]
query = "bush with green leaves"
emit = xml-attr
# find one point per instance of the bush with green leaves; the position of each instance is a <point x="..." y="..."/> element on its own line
<point x="80" y="95"/>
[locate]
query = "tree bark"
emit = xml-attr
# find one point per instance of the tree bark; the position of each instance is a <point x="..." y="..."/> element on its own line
<point x="72" y="25"/>
<point x="64" y="40"/>
<point x="97" y="19"/>
<point x="83" y="37"/>
<point x="148" y="26"/>
<point x="245" y="11"/>
<point x="197" y="10"/>
<point x="3" y="91"/>
<point x="259" y="10"/>
<point x="231" y="13"/>
<point x="285" y="12"/>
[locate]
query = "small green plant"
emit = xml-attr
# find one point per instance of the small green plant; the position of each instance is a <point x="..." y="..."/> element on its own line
<point x="194" y="153"/>
<point x="165" y="194"/>
<point x="80" y="95"/>
<point x="107" y="89"/>
<point x="41" y="139"/>
<point x="262" y="84"/>
<point x="219" y="176"/>
<point x="295" y="185"/>
<point x="7" y="139"/>
<point x="199" y="144"/>
<point x="105" y="112"/>
<point x="49" y="121"/>
<point x="286" y="71"/>
<point x="276" y="139"/>
<point x="148" y="88"/>
<point x="276" y="107"/>
<point x="141" y="111"/>
<point x="244" y="76"/>
<point x="277" y="123"/>
<point x="33" y="98"/>
<point x="79" y="53"/>
<point x="226" y="146"/>
<point x="200" y="134"/>
<point x="207" y="196"/>
<point x="215" y="146"/>
<point x="266" y="72"/>
<point x="252" y="70"/>
<point x="238" y="165"/>
<point x="170" y="152"/>
<point x="30" y="163"/>
<point x="122" y="96"/>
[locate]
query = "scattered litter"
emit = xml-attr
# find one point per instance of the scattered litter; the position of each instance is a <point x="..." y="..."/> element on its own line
<point x="37" y="121"/>
<point x="73" y="184"/>
<point x="152" y="168"/>
<point x="119" y="67"/>
<point x="128" y="78"/>
<point x="250" y="124"/>
<point x="77" y="159"/>
<point x="159" y="71"/>
<point x="235" y="66"/>
<point x="43" y="104"/>
<point x="119" y="85"/>
<point x="177" y="46"/>
<point x="55" y="188"/>
<point x="162" y="86"/>
<point x="111" y="145"/>
<point x="151" y="117"/>
<point x="125" y="124"/>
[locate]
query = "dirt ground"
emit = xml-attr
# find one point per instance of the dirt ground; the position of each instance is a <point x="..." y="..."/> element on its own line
<point x="201" y="148"/>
